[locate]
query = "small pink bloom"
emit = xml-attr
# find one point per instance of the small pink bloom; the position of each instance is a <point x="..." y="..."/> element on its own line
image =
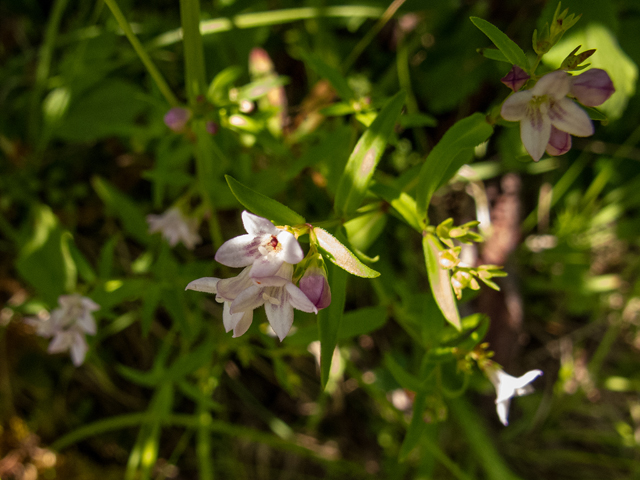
<point x="545" y="106"/>
<point x="516" y="78"/>
<point x="592" y="87"/>
<point x="176" y="118"/>
<point x="559" y="142"/>
<point x="315" y="286"/>
<point x="265" y="247"/>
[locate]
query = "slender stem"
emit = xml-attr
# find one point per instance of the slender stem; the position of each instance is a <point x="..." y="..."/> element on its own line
<point x="366" y="40"/>
<point x="193" y="52"/>
<point x="44" y="65"/>
<point x="142" y="53"/>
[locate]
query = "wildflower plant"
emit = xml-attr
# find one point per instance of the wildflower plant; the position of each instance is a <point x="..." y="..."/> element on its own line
<point x="323" y="228"/>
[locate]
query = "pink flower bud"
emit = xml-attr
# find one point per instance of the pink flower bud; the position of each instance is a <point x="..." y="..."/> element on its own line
<point x="212" y="127"/>
<point x="559" y="142"/>
<point x="592" y="87"/>
<point x="176" y="118"/>
<point x="259" y="62"/>
<point x="516" y="78"/>
<point x="315" y="286"/>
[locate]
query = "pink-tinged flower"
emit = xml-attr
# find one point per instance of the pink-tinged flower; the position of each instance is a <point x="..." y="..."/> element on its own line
<point x="592" y="87"/>
<point x="176" y="118"/>
<point x="508" y="387"/>
<point x="559" y="142"/>
<point x="68" y="325"/>
<point x="226" y="292"/>
<point x="279" y="297"/>
<point x="543" y="106"/>
<point x="260" y="62"/>
<point x="315" y="286"/>
<point x="265" y="247"/>
<point x="175" y="227"/>
<point x="516" y="78"/>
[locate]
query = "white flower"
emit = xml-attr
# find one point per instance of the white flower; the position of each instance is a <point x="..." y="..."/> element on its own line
<point x="543" y="106"/>
<point x="175" y="227"/>
<point x="68" y="325"/>
<point x="243" y="294"/>
<point x="265" y="247"/>
<point x="226" y="291"/>
<point x="508" y="387"/>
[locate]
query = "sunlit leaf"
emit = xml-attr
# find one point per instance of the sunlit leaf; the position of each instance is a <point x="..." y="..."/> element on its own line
<point x="440" y="281"/>
<point x="341" y="256"/>
<point x="512" y="52"/>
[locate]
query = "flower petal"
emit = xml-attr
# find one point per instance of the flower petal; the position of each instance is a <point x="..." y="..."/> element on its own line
<point x="535" y="131"/>
<point x="61" y="342"/>
<point x="266" y="266"/>
<point x="299" y="300"/>
<point x="243" y="325"/>
<point x="249" y="299"/>
<point x="514" y="107"/>
<point x="279" y="313"/>
<point x="567" y="116"/>
<point x="256" y="226"/>
<point x="204" y="284"/>
<point x="555" y="84"/>
<point x="559" y="142"/>
<point x="230" y="288"/>
<point x="79" y="349"/>
<point x="239" y="251"/>
<point x="592" y="87"/>
<point x="291" y="250"/>
<point x="230" y="320"/>
<point x="86" y="323"/>
<point x="502" y="409"/>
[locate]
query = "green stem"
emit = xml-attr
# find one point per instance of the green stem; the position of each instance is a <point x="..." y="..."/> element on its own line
<point x="142" y="54"/>
<point x="262" y="19"/>
<point x="366" y="40"/>
<point x="44" y="66"/>
<point x="193" y="52"/>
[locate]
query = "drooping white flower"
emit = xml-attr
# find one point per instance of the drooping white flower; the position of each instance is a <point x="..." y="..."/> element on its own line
<point x="175" y="227"/>
<point x="264" y="247"/>
<point x="68" y="325"/>
<point x="508" y="387"/>
<point x="543" y="106"/>
<point x="226" y="291"/>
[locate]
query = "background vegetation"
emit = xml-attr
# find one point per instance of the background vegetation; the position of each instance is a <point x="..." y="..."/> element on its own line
<point x="164" y="392"/>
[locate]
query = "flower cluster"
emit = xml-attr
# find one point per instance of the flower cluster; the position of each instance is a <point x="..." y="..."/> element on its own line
<point x="175" y="227"/>
<point x="68" y="325"/>
<point x="268" y="254"/>
<point x="547" y="116"/>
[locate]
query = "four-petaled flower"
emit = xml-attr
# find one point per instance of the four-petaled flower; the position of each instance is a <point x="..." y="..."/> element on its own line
<point x="68" y="325"/>
<point x="543" y="107"/>
<point x="508" y="387"/>
<point x="175" y="227"/>
<point x="265" y="247"/>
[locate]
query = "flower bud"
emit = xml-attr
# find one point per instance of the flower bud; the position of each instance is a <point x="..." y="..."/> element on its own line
<point x="315" y="286"/>
<point x="212" y="127"/>
<point x="259" y="62"/>
<point x="176" y="118"/>
<point x="516" y="78"/>
<point x="559" y="142"/>
<point x="592" y="87"/>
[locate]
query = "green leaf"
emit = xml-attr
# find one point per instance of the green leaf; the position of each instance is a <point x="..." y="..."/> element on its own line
<point x="512" y="52"/>
<point x="402" y="202"/>
<point x="493" y="54"/>
<point x="324" y="70"/>
<point x="218" y="92"/>
<point x="463" y="135"/>
<point x="365" y="157"/>
<point x="362" y="321"/>
<point x="405" y="379"/>
<point x="440" y="281"/>
<point x="362" y="231"/>
<point x="262" y="205"/>
<point x="329" y="321"/>
<point x="130" y="215"/>
<point x="341" y="256"/>
<point x="416" y="427"/>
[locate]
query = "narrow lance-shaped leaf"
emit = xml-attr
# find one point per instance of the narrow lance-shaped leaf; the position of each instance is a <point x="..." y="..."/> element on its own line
<point x="508" y="47"/>
<point x="365" y="157"/>
<point x="341" y="256"/>
<point x="329" y="320"/>
<point x="465" y="134"/>
<point x="440" y="281"/>
<point x="416" y="427"/>
<point x="262" y="205"/>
